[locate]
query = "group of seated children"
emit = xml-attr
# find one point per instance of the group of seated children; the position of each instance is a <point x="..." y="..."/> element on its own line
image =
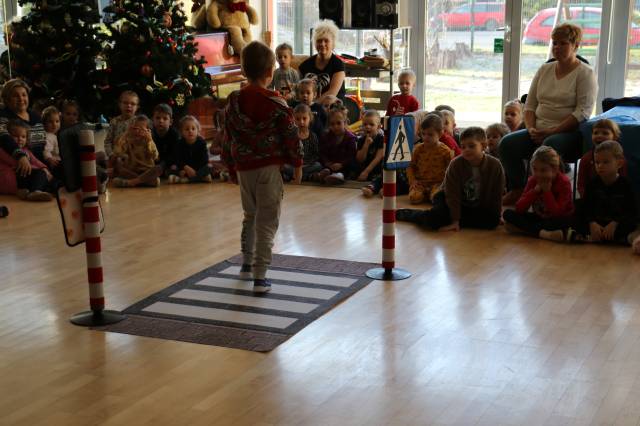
<point x="138" y="151"/>
<point x="466" y="191"/>
<point x="38" y="183"/>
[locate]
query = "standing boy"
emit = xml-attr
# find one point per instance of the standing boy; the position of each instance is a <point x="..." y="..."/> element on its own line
<point x="260" y="136"/>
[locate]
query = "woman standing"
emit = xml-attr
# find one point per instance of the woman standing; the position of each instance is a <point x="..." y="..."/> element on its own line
<point x="561" y="96"/>
<point x="325" y="68"/>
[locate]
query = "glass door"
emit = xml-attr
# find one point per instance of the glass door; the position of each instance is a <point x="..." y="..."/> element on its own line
<point x="464" y="59"/>
<point x="538" y="23"/>
<point x="632" y="72"/>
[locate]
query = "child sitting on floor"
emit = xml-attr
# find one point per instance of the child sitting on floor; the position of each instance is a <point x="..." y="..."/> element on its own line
<point x="602" y="130"/>
<point x="337" y="148"/>
<point x="548" y="194"/>
<point x="70" y="113"/>
<point x="512" y="115"/>
<point x="191" y="160"/>
<point x="608" y="210"/>
<point x="35" y="185"/>
<point x="285" y="78"/>
<point x="128" y="103"/>
<point x="306" y="92"/>
<point x="495" y="133"/>
<point x="404" y="102"/>
<point x="310" y="149"/>
<point x="471" y="195"/>
<point x="370" y="148"/>
<point x="165" y="136"/>
<point x="135" y="156"/>
<point x="455" y="131"/>
<point x="429" y="161"/>
<point x="51" y="121"/>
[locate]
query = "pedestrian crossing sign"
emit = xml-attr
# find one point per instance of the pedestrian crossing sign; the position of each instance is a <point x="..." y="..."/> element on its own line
<point x="402" y="130"/>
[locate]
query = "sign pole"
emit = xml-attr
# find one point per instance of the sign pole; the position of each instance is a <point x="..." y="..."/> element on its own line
<point x="402" y="145"/>
<point x="93" y="247"/>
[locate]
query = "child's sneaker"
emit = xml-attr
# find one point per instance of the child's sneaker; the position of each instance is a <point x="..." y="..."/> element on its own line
<point x="245" y="272"/>
<point x="334" y="179"/>
<point x="224" y="176"/>
<point x="22" y="193"/>
<point x="39" y="196"/>
<point x="321" y="175"/>
<point x="120" y="182"/>
<point x="557" y="235"/>
<point x="261" y="286"/>
<point x="173" y="179"/>
<point x="207" y="179"/>
<point x="184" y="180"/>
<point x="367" y="191"/>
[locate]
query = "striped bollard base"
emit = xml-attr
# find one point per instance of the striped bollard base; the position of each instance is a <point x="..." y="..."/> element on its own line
<point x="91" y="220"/>
<point x="388" y="272"/>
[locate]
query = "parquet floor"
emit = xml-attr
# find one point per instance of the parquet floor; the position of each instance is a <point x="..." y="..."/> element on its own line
<point x="491" y="329"/>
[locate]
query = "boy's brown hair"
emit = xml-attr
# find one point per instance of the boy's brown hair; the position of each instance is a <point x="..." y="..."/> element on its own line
<point x="284" y="46"/>
<point x="605" y="123"/>
<point x="141" y="118"/>
<point x="499" y="128"/>
<point x="162" y="109"/>
<point x="257" y="60"/>
<point x="129" y="93"/>
<point x="303" y="109"/>
<point x="432" y="121"/>
<point x="613" y="147"/>
<point x="476" y="133"/>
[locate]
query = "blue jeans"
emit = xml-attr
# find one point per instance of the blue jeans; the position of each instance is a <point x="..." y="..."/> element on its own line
<point x="518" y="146"/>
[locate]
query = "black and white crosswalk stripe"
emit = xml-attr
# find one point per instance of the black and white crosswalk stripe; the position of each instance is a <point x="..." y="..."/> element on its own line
<point x="296" y="298"/>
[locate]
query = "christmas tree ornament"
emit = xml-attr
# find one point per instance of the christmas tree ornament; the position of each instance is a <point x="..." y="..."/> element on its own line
<point x="146" y="70"/>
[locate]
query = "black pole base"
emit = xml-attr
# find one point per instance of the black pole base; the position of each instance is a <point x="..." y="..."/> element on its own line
<point x="382" y="274"/>
<point x="97" y="318"/>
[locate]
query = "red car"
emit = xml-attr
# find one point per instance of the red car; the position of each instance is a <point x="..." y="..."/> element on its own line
<point x="538" y="29"/>
<point x="487" y="15"/>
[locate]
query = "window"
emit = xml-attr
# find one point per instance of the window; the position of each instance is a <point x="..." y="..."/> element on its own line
<point x="548" y="22"/>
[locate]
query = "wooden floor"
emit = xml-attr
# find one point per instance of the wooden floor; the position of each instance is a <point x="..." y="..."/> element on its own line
<point x="491" y="329"/>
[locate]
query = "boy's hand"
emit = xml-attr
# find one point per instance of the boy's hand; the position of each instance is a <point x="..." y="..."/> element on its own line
<point x="368" y="141"/>
<point x="455" y="226"/>
<point x="297" y="176"/>
<point x="53" y="162"/>
<point x="189" y="171"/>
<point x="609" y="231"/>
<point x="595" y="231"/>
<point x="400" y="110"/>
<point x="48" y="174"/>
<point x="363" y="177"/>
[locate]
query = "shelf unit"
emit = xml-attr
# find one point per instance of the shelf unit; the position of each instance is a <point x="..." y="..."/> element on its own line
<point x="403" y="36"/>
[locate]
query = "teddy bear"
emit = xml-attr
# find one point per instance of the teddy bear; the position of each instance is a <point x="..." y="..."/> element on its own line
<point x="236" y="16"/>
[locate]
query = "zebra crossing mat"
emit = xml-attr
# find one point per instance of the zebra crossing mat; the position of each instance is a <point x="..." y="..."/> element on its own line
<point x="215" y="307"/>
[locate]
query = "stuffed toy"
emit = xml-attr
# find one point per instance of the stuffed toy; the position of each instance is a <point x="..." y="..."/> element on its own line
<point x="236" y="16"/>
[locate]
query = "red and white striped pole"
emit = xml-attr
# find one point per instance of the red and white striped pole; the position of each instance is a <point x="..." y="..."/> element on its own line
<point x="388" y="272"/>
<point x="93" y="246"/>
<point x="388" y="220"/>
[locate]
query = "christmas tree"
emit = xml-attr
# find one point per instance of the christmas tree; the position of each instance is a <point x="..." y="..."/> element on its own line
<point x="53" y="48"/>
<point x="148" y="50"/>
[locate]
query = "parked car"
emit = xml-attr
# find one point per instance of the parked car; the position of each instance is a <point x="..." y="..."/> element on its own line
<point x="486" y="15"/>
<point x="538" y="29"/>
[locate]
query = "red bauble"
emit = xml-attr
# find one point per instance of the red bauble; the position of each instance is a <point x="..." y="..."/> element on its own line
<point x="146" y="70"/>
